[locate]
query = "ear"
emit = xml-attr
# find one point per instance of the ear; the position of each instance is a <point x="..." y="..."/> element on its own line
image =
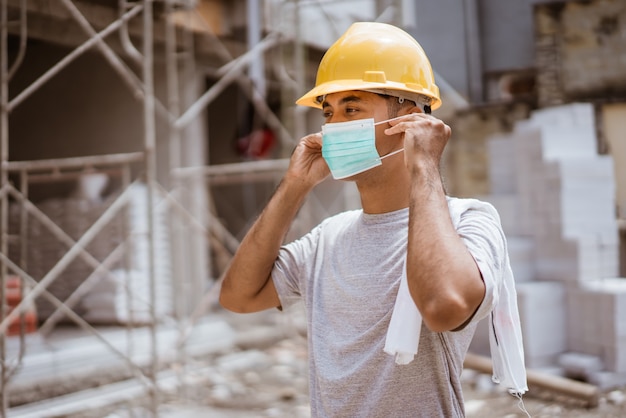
<point x="412" y="109"/>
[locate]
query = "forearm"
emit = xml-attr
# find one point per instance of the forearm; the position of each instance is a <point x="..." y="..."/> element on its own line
<point x="443" y="278"/>
<point x="245" y="286"/>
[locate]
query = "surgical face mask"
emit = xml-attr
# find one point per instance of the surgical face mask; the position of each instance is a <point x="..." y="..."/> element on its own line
<point x="349" y="148"/>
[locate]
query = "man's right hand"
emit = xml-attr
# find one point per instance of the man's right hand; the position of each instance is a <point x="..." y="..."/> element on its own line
<point x="247" y="285"/>
<point x="307" y="167"/>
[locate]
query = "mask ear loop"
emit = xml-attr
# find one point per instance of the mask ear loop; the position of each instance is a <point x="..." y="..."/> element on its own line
<point x="392" y="152"/>
<point x="426" y="110"/>
<point x="388" y="120"/>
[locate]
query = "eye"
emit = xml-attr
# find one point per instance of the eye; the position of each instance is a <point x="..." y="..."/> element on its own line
<point x="351" y="110"/>
<point x="327" y="114"/>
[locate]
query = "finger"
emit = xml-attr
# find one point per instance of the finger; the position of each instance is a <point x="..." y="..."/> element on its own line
<point x="314" y="140"/>
<point x="402" y="127"/>
<point x="317" y="136"/>
<point x="406" y="122"/>
<point x="405" y="118"/>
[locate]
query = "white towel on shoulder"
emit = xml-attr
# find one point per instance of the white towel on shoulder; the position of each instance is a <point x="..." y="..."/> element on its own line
<point x="505" y="335"/>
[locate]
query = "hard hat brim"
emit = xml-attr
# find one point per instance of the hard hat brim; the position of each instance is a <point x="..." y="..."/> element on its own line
<point x="311" y="98"/>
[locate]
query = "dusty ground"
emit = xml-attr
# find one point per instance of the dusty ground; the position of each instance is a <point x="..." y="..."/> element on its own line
<point x="268" y="378"/>
<point x="262" y="372"/>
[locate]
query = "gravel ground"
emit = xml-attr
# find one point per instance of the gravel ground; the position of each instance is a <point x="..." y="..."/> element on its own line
<point x="263" y="373"/>
<point x="269" y="379"/>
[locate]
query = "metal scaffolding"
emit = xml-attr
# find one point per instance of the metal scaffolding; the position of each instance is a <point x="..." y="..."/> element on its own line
<point x="178" y="43"/>
<point x="186" y="196"/>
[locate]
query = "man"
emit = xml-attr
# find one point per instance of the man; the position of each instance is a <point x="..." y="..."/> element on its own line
<point x="376" y="89"/>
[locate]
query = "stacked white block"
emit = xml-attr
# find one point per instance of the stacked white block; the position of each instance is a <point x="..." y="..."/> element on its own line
<point x="588" y="198"/>
<point x="138" y="294"/>
<point x="139" y="230"/>
<point x="556" y="198"/>
<point x="597" y="322"/>
<point x="504" y="197"/>
<point x="528" y="166"/>
<point x="509" y="211"/>
<point x="567" y="192"/>
<point x="543" y="321"/>
<point x="568" y="132"/>
<point x="598" y="258"/>
<point x="522" y="257"/>
<point x="125" y="297"/>
<point x="521" y="248"/>
<point x="580" y="366"/>
<point x="502" y="175"/>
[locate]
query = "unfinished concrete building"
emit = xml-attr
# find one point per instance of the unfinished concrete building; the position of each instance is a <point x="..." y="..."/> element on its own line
<point x="139" y="140"/>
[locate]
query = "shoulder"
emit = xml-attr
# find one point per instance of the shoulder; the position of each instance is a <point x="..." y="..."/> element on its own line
<point x="478" y="223"/>
<point x="463" y="209"/>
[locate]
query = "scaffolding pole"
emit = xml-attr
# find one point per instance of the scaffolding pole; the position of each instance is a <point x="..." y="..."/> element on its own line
<point x="4" y="147"/>
<point x="150" y="159"/>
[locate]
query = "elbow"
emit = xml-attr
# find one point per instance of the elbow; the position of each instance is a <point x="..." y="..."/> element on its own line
<point x="445" y="314"/>
<point x="235" y="305"/>
<point x="452" y="306"/>
<point x="240" y="299"/>
<point x="228" y="304"/>
<point x="228" y="298"/>
<point x="229" y="301"/>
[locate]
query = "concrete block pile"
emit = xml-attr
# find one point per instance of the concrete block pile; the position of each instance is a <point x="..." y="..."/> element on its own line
<point x="125" y="295"/>
<point x="556" y="198"/>
<point x="598" y="325"/>
<point x="544" y="323"/>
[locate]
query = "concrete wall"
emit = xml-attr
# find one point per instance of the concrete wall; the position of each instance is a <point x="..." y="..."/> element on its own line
<point x="580" y="51"/>
<point x="83" y="110"/>
<point x="465" y="40"/>
<point x="441" y="32"/>
<point x="506" y="34"/>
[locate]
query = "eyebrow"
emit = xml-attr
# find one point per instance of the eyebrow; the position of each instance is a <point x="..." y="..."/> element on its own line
<point x="344" y="100"/>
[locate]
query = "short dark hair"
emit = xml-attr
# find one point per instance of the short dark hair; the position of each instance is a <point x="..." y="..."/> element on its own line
<point x="395" y="104"/>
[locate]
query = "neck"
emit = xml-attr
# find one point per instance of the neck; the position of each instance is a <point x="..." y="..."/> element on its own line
<point x="384" y="189"/>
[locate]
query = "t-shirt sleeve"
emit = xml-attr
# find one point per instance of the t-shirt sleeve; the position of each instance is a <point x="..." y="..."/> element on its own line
<point x="485" y="240"/>
<point x="290" y="268"/>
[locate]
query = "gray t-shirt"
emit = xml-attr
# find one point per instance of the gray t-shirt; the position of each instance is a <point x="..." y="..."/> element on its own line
<point x="347" y="271"/>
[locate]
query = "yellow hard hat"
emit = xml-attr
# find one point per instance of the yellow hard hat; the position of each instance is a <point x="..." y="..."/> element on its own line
<point x="375" y="57"/>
